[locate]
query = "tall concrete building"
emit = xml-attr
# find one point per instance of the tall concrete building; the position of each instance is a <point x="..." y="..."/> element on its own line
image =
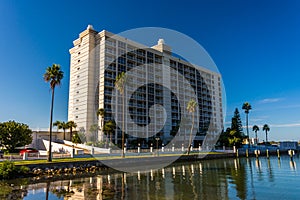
<point x="156" y="78"/>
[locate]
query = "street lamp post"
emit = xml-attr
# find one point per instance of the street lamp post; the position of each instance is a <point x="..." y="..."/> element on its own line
<point x="139" y="148"/>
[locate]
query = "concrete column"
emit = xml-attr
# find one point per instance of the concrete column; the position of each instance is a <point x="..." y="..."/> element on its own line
<point x="25" y="156"/>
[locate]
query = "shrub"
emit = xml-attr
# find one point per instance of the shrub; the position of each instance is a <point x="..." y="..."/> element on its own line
<point x="23" y="170"/>
<point x="9" y="170"/>
<point x="100" y="144"/>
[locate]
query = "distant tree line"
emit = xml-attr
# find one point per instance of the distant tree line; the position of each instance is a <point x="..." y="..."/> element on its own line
<point x="234" y="135"/>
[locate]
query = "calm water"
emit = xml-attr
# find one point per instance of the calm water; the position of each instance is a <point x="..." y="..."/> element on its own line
<point x="212" y="179"/>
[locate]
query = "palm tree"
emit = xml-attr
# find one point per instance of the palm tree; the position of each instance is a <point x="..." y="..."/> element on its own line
<point x="191" y="107"/>
<point x="71" y="125"/>
<point x="57" y="123"/>
<point x="109" y="128"/>
<point x="101" y="112"/>
<point x="53" y="75"/>
<point x="61" y="125"/>
<point x="255" y="128"/>
<point x="120" y="85"/>
<point x="247" y="108"/>
<point x="266" y="128"/>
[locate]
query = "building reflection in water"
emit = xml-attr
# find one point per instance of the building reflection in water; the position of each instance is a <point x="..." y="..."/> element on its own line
<point x="214" y="179"/>
<point x="189" y="181"/>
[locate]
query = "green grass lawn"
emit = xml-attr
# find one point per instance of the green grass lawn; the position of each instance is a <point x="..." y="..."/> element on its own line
<point x="59" y="160"/>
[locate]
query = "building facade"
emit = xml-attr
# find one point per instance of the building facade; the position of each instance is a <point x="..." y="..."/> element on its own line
<point x="156" y="78"/>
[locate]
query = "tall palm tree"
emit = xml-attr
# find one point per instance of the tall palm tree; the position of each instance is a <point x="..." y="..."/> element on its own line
<point x="120" y="85"/>
<point x="101" y="112"/>
<point x="266" y="128"/>
<point x="191" y="107"/>
<point x="255" y="128"/>
<point x="53" y="75"/>
<point x="247" y="107"/>
<point x="71" y="125"/>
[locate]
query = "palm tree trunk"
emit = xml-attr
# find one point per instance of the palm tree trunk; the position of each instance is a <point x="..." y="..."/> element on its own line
<point x="106" y="140"/>
<point x="47" y="190"/>
<point x="123" y="125"/>
<point x="256" y="136"/>
<point x="64" y="134"/>
<point x="266" y="137"/>
<point x="247" y="130"/>
<point x="110" y="141"/>
<point x="50" y="134"/>
<point x="190" y="140"/>
<point x="123" y="186"/>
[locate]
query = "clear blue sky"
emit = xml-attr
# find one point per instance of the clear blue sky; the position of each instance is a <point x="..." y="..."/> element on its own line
<point x="255" y="44"/>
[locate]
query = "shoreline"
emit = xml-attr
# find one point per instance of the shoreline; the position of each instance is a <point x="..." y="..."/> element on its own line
<point x="129" y="159"/>
<point x="131" y="163"/>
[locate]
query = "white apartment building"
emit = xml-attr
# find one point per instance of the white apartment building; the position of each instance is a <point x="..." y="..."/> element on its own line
<point x="96" y="60"/>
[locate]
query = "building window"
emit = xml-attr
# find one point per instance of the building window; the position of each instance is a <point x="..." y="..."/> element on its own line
<point x="77" y="84"/>
<point x="76" y="108"/>
<point x="76" y="117"/>
<point x="77" y="92"/>
<point x="77" y="100"/>
<point x="78" y="60"/>
<point x="121" y="44"/>
<point x="78" y="68"/>
<point x="78" y="76"/>
<point x="78" y="53"/>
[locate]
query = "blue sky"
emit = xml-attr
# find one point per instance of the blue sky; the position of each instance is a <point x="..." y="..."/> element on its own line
<point x="255" y="44"/>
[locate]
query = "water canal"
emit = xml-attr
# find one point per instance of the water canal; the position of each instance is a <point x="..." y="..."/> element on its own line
<point x="242" y="178"/>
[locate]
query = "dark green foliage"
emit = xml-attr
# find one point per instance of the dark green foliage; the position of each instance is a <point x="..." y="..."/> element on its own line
<point x="234" y="135"/>
<point x="236" y="122"/>
<point x="230" y="138"/>
<point x="61" y="125"/>
<point x="14" y="134"/>
<point x="9" y="170"/>
<point x="71" y="125"/>
<point x="76" y="138"/>
<point x="266" y="128"/>
<point x="109" y="128"/>
<point x="223" y="139"/>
